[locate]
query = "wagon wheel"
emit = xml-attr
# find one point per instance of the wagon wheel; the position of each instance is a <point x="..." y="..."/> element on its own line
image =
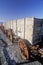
<point x="23" y="49"/>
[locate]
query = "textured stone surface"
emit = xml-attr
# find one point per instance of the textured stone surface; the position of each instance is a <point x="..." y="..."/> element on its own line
<point x="3" y="36"/>
<point x="10" y="55"/>
<point x="3" y="59"/>
<point x="28" y="28"/>
<point x="14" y="54"/>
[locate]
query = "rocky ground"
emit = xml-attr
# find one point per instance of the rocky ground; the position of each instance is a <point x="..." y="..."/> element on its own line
<point x="10" y="54"/>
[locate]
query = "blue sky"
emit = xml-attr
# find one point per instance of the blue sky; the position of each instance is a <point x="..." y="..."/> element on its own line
<point x="13" y="9"/>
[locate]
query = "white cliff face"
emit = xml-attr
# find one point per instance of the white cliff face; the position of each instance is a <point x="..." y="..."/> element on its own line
<point x="27" y="28"/>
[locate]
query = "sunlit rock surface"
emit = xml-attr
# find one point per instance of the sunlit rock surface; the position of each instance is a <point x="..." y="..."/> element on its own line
<point x="10" y="54"/>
